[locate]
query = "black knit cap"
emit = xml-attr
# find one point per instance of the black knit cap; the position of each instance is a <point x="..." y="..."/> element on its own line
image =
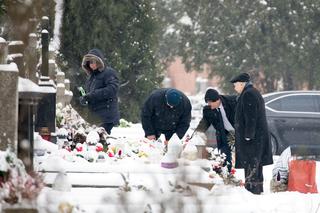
<point x="242" y="77"/>
<point x="211" y="95"/>
<point x="173" y="97"/>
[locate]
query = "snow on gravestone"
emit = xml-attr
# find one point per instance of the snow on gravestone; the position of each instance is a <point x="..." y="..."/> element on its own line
<point x="9" y="106"/>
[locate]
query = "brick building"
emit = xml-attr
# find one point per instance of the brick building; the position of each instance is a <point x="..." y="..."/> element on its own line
<point x="190" y="83"/>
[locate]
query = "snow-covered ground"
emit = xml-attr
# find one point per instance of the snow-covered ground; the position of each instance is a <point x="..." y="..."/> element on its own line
<point x="156" y="189"/>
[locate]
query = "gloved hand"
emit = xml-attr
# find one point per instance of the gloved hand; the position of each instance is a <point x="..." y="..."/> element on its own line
<point x="83" y="100"/>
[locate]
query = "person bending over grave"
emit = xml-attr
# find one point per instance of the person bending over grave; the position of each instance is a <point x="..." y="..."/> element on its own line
<point x="166" y="111"/>
<point x="220" y="113"/>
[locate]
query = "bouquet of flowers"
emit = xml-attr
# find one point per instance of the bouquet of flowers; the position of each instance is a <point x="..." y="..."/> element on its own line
<point x="16" y="185"/>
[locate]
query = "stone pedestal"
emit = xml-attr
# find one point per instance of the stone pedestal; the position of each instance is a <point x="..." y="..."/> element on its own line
<point x="9" y="106"/>
<point x="29" y="96"/>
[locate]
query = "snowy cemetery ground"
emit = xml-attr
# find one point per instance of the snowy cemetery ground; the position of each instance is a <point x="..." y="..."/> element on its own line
<point x="131" y="174"/>
<point x="140" y="184"/>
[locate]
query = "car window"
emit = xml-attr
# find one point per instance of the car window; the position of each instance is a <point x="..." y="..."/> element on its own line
<point x="297" y="103"/>
<point x="317" y="97"/>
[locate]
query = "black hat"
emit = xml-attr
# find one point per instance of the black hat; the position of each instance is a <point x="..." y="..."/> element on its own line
<point x="173" y="97"/>
<point x="242" y="77"/>
<point x="211" y="95"/>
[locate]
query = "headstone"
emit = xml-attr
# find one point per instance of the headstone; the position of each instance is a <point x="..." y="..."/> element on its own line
<point x="46" y="112"/>
<point x="52" y="52"/>
<point x="33" y="22"/>
<point x="67" y="84"/>
<point x="3" y="51"/>
<point x="45" y="53"/>
<point x="29" y="96"/>
<point x="16" y="50"/>
<point x="31" y="58"/>
<point x="60" y="77"/>
<point x="18" y="59"/>
<point x="52" y="69"/>
<point x="68" y="96"/>
<point x="60" y="88"/>
<point x="61" y="94"/>
<point x="9" y="106"/>
<point x="16" y="47"/>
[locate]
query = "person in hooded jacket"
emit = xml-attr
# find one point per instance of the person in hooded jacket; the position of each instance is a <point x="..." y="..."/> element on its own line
<point x="101" y="89"/>
<point x="252" y="146"/>
<point x="166" y="111"/>
<point x="220" y="114"/>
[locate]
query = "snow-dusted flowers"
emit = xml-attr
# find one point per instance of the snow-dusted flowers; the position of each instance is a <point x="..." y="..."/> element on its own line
<point x="16" y="185"/>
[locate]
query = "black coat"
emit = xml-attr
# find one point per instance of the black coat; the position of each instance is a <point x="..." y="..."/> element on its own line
<point x="102" y="87"/>
<point x="251" y="122"/>
<point x="211" y="117"/>
<point x="158" y="118"/>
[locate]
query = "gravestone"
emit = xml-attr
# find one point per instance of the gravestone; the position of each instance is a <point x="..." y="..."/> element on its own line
<point x="32" y="58"/>
<point x="46" y="112"/>
<point x="16" y="49"/>
<point x="29" y="96"/>
<point x="3" y="51"/>
<point x="52" y="66"/>
<point x="9" y="106"/>
<point x="45" y="53"/>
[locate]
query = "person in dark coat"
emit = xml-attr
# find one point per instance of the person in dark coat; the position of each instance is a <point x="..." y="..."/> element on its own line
<point x="220" y="114"/>
<point x="252" y="146"/>
<point x="101" y="88"/>
<point x="166" y="111"/>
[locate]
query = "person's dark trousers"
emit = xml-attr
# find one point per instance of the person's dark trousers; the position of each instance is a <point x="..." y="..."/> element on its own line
<point x="108" y="127"/>
<point x="227" y="151"/>
<point x="254" y="179"/>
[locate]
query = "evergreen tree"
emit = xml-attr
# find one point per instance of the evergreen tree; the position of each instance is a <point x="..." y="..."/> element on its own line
<point x="127" y="32"/>
<point x="273" y="40"/>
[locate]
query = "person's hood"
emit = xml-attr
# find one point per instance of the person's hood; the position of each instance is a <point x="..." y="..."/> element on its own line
<point x="95" y="54"/>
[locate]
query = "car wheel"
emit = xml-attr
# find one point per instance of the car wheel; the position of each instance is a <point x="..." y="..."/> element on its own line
<point x="274" y="145"/>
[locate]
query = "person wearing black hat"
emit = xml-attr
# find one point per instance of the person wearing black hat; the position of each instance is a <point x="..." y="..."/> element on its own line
<point x="220" y="114"/>
<point x="252" y="146"/>
<point x="166" y="111"/>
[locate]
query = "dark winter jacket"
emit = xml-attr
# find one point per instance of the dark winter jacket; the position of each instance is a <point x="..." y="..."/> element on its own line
<point x="211" y="117"/>
<point x="251" y="122"/>
<point x="102" y="87"/>
<point x="158" y="118"/>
